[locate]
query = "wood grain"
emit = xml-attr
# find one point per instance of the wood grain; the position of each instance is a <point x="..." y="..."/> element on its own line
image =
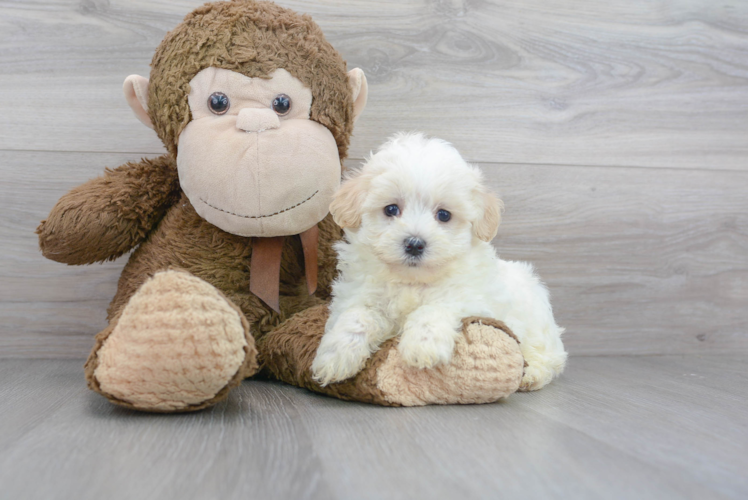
<point x="638" y="261"/>
<point x="615" y="427"/>
<point x="641" y="83"/>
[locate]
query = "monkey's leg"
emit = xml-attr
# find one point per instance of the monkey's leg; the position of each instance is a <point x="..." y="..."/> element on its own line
<point x="178" y="345"/>
<point x="487" y="365"/>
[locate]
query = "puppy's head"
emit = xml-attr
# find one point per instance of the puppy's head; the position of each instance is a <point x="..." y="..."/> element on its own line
<point x="417" y="204"/>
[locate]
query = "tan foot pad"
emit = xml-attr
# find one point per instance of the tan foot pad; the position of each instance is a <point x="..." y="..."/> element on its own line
<point x="178" y="345"/>
<point x="487" y="365"/>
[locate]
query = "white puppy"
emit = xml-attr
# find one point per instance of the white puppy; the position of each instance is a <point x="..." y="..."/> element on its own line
<point x="417" y="259"/>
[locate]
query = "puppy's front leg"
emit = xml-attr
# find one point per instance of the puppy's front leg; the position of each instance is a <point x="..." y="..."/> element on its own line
<point x="347" y="345"/>
<point x="428" y="337"/>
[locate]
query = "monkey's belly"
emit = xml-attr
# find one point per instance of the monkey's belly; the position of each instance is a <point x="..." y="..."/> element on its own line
<point x="184" y="240"/>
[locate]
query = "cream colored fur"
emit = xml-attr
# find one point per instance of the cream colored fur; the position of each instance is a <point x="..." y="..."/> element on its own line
<point x="383" y="292"/>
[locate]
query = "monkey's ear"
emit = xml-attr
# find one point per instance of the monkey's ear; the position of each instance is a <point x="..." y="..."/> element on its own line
<point x="360" y="90"/>
<point x="136" y="93"/>
<point x="488" y="225"/>
<point x="347" y="202"/>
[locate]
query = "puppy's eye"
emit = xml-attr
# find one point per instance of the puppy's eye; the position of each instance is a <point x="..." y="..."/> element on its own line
<point x="391" y="210"/>
<point x="281" y="104"/>
<point x="443" y="215"/>
<point x="218" y="103"/>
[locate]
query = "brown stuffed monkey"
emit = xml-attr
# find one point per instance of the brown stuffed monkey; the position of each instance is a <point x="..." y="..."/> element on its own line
<point x="233" y="258"/>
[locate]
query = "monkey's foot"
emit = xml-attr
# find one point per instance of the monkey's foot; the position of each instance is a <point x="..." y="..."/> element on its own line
<point x="487" y="365"/>
<point x="178" y="345"/>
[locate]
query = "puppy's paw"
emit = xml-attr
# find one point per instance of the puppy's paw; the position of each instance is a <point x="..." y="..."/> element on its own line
<point x="540" y="370"/>
<point x="535" y="377"/>
<point x="426" y="348"/>
<point x="339" y="357"/>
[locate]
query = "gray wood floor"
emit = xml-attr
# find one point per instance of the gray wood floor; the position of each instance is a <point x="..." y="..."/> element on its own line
<point x="624" y="427"/>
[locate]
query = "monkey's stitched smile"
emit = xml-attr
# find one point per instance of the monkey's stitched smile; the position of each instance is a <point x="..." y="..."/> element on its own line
<point x="261" y="216"/>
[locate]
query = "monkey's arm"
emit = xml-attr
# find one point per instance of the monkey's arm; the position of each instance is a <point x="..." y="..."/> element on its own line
<point x="108" y="216"/>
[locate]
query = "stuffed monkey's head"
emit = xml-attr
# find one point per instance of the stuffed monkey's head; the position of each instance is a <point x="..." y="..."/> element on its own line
<point x="258" y="109"/>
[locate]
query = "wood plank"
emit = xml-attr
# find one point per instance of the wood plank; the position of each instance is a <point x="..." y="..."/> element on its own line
<point x="96" y="450"/>
<point x="604" y="430"/>
<point x="638" y="261"/>
<point x="48" y="309"/>
<point x="685" y="409"/>
<point x="639" y="83"/>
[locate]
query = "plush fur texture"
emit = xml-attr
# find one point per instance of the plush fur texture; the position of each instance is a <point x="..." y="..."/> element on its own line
<point x="388" y="289"/>
<point x="140" y="206"/>
<point x="186" y="241"/>
<point x="176" y="323"/>
<point x="252" y="172"/>
<point x="180" y="261"/>
<point x="254" y="39"/>
<point x="108" y="216"/>
<point x="487" y="365"/>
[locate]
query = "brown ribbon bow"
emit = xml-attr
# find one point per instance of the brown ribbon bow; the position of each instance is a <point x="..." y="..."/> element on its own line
<point x="264" y="267"/>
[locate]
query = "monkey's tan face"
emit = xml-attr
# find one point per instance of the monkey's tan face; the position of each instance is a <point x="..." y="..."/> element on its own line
<point x="251" y="161"/>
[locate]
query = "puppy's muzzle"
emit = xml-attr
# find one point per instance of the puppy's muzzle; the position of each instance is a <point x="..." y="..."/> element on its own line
<point x="414" y="246"/>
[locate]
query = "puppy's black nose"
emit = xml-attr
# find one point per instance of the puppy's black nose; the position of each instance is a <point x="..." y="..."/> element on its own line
<point x="414" y="246"/>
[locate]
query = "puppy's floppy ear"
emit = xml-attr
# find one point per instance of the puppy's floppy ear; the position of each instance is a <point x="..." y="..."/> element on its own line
<point x="348" y="200"/>
<point x="487" y="225"/>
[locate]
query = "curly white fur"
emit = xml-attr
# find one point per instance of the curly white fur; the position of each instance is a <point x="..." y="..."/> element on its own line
<point x="382" y="291"/>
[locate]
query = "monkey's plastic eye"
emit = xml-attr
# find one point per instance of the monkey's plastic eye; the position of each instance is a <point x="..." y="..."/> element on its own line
<point x="218" y="102"/>
<point x="281" y="104"/>
<point x="391" y="210"/>
<point x="443" y="215"/>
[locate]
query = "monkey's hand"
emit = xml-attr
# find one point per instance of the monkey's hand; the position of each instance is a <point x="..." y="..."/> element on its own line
<point x="108" y="216"/>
